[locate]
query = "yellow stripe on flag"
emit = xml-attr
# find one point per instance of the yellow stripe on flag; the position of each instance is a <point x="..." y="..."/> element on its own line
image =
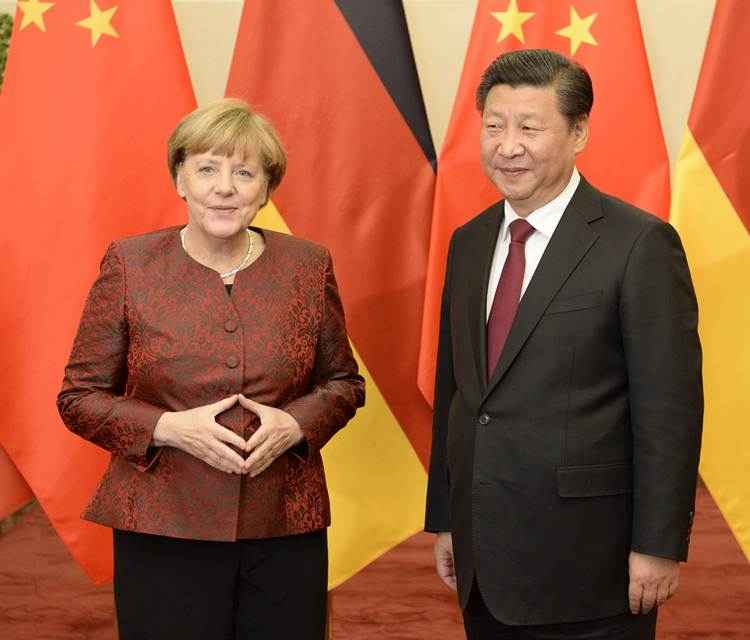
<point x="375" y="479"/>
<point x="718" y="249"/>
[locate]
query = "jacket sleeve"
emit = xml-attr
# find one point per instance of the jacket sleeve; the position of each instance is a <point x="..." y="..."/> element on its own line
<point x="438" y="484"/>
<point x="659" y="316"/>
<point x="337" y="389"/>
<point x="92" y="401"/>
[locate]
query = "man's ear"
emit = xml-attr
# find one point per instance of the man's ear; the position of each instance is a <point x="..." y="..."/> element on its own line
<point x="581" y="133"/>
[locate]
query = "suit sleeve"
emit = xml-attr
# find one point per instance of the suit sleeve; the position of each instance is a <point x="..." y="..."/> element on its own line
<point x="437" y="517"/>
<point x="337" y="388"/>
<point x="659" y="316"/>
<point x="92" y="401"/>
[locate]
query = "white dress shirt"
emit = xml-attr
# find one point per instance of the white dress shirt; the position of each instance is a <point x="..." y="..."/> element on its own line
<point x="544" y="220"/>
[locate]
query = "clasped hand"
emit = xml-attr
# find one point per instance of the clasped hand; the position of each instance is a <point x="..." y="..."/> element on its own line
<point x="195" y="431"/>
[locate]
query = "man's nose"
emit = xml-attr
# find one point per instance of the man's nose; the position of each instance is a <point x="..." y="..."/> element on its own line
<point x="509" y="145"/>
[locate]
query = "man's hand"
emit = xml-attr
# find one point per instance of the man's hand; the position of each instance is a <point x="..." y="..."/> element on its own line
<point x="653" y="581"/>
<point x="444" y="559"/>
<point x="195" y="431"/>
<point x="278" y="432"/>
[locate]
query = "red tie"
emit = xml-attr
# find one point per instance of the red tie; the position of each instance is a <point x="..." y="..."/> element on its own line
<point x="508" y="293"/>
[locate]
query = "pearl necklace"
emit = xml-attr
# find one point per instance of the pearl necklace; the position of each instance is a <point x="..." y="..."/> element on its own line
<point x="240" y="266"/>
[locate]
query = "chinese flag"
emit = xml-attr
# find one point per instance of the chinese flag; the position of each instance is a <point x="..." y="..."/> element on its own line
<point x="338" y="80"/>
<point x="711" y="209"/>
<point x="14" y="492"/>
<point x="625" y="156"/>
<point x="92" y="90"/>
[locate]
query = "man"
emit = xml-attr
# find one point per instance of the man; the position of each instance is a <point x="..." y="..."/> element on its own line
<point x="568" y="400"/>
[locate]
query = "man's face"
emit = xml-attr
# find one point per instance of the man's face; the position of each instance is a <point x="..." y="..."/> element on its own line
<point x="528" y="148"/>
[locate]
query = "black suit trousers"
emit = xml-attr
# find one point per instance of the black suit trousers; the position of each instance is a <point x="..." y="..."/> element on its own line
<point x="170" y="589"/>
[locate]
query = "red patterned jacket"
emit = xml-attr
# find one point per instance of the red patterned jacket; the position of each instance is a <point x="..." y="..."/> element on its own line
<point x="159" y="332"/>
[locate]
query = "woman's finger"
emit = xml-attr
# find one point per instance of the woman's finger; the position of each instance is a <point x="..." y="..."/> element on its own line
<point x="257" y="439"/>
<point x="228" y="436"/>
<point x="221" y="454"/>
<point x="256" y="407"/>
<point x="223" y="404"/>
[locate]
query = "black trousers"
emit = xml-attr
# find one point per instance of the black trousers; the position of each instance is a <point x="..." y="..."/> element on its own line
<point x="480" y="624"/>
<point x="270" y="589"/>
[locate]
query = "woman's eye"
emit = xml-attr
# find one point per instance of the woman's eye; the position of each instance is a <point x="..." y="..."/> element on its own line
<point x="205" y="169"/>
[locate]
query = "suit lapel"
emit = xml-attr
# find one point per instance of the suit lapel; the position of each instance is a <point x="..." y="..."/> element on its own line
<point x="569" y="244"/>
<point x="477" y="301"/>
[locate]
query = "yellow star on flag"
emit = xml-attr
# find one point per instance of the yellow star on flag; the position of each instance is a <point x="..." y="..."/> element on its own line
<point x="99" y="23"/>
<point x="33" y="13"/>
<point x="512" y="20"/>
<point x="579" y="30"/>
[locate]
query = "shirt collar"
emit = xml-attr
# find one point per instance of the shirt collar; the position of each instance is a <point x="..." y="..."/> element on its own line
<point x="546" y="218"/>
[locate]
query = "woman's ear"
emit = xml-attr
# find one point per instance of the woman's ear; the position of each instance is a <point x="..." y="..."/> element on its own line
<point x="179" y="183"/>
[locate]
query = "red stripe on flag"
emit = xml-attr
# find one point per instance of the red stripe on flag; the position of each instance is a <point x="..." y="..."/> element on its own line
<point x="719" y="116"/>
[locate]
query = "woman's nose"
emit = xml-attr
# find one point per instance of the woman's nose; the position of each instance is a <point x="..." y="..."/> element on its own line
<point x="224" y="182"/>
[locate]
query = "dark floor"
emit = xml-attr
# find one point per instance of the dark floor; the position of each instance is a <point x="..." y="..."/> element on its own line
<point x="45" y="596"/>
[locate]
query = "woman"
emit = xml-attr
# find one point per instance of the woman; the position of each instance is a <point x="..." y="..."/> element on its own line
<point x="212" y="361"/>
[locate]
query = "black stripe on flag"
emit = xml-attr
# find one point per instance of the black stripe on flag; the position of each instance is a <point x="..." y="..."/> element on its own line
<point x="380" y="26"/>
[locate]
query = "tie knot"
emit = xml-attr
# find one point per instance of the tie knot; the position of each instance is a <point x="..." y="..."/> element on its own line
<point x="520" y="230"/>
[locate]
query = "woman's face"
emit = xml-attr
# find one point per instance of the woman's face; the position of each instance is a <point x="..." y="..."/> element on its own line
<point x="223" y="193"/>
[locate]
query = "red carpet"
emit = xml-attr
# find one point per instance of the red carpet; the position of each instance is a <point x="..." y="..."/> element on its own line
<point x="45" y="596"/>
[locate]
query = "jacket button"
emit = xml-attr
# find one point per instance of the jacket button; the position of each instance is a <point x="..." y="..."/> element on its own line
<point x="232" y="362"/>
<point x="484" y="419"/>
<point x="230" y="326"/>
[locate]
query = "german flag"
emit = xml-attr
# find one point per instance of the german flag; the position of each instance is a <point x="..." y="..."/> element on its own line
<point x="711" y="209"/>
<point x="338" y="80"/>
<point x="626" y="155"/>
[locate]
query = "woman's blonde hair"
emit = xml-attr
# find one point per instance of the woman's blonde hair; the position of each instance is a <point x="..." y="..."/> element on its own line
<point x="227" y="127"/>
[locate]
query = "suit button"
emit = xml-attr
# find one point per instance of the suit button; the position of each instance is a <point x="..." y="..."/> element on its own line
<point x="484" y="419"/>
<point x="230" y="326"/>
<point x="232" y="362"/>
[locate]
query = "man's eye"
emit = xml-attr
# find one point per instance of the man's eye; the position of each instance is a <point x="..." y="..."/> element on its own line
<point x="205" y="169"/>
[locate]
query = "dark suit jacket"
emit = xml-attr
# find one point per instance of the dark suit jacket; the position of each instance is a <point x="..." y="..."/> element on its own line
<point x="584" y="444"/>
<point x="160" y="333"/>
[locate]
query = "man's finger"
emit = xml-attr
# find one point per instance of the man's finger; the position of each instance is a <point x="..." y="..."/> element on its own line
<point x="662" y="593"/>
<point x="635" y="592"/>
<point x="648" y="599"/>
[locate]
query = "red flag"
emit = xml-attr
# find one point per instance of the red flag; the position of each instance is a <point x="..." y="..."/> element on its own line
<point x="626" y="155"/>
<point x="92" y="90"/>
<point x="14" y="492"/>
<point x="338" y="79"/>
